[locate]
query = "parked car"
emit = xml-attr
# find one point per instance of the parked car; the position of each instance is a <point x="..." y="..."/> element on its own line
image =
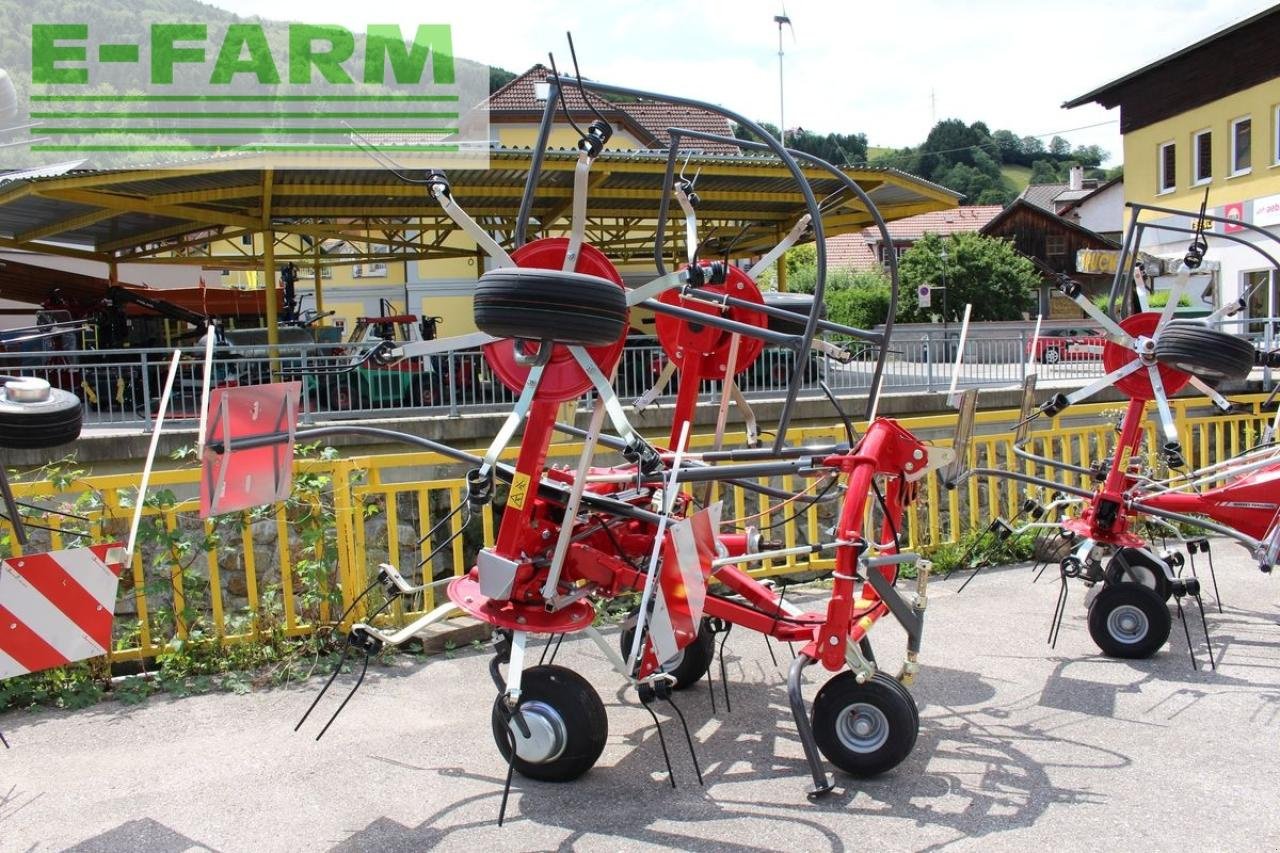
<point x="1067" y="345"/>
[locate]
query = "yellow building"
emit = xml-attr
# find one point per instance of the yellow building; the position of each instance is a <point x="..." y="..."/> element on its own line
<point x="1207" y="118"/>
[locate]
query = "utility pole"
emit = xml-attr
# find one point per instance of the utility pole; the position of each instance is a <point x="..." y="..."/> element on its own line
<point x="782" y="119"/>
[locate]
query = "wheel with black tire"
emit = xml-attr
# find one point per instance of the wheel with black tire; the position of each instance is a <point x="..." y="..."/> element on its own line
<point x="36" y="416"/>
<point x="1051" y="355"/>
<point x="690" y="663"/>
<point x="1207" y="354"/>
<point x="865" y="729"/>
<point x="1128" y="620"/>
<point x="1133" y="565"/>
<point x="566" y="722"/>
<point x="539" y="304"/>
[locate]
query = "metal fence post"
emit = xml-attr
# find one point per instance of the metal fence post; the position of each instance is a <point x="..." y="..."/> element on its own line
<point x="928" y="358"/>
<point x="1269" y="338"/>
<point x="452" y="379"/>
<point x="1022" y="352"/>
<point x="146" y="390"/>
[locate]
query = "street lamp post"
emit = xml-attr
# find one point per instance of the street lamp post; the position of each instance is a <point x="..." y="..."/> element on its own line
<point x="942" y="255"/>
<point x="782" y="120"/>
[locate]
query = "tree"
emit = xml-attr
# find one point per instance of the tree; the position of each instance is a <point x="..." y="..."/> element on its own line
<point x="950" y="142"/>
<point x="1008" y="146"/>
<point x="983" y="271"/>
<point x="499" y="77"/>
<point x="1044" y="172"/>
<point x="741" y="132"/>
<point x="1089" y="155"/>
<point x="1059" y="147"/>
<point x="1031" y="145"/>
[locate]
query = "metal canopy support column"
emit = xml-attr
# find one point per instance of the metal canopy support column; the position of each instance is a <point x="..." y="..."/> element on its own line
<point x="269" y="299"/>
<point x="781" y="264"/>
<point x="319" y="291"/>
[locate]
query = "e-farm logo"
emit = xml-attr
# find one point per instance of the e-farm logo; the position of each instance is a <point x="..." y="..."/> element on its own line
<point x="292" y="94"/>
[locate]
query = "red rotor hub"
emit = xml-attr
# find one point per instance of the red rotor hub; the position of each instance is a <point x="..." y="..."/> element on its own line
<point x="681" y="338"/>
<point x="562" y="379"/>
<point x="1137" y="386"/>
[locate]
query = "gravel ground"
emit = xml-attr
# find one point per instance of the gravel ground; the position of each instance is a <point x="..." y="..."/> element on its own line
<point x="1021" y="747"/>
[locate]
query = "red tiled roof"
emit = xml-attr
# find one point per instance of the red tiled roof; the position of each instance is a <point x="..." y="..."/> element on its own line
<point x="650" y="118"/>
<point x="957" y="220"/>
<point x="850" y="252"/>
<point x="857" y="251"/>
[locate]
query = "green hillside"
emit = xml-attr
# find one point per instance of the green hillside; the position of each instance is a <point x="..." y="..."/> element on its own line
<point x="1016" y="178"/>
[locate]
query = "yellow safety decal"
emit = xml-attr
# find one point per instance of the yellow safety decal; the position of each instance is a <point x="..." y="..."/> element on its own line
<point x="519" y="491"/>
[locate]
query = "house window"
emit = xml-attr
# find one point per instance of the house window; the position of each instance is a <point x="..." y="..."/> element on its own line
<point x="1055" y="245"/>
<point x="1275" y="144"/>
<point x="1167" y="161"/>
<point x="1202" y="157"/>
<point x="894" y="251"/>
<point x="1241" y="138"/>
<point x="373" y="270"/>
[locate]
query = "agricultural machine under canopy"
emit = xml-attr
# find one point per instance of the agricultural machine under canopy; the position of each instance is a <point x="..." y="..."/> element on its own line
<point x="553" y="316"/>
<point x="1150" y="356"/>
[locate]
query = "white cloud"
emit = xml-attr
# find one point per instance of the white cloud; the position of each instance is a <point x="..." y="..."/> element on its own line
<point x="887" y="69"/>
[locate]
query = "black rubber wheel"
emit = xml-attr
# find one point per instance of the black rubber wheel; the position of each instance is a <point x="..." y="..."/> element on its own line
<point x="1133" y="565"/>
<point x="1204" y="353"/>
<point x="39" y="424"/>
<point x="536" y="304"/>
<point x="865" y="729"/>
<point x="1127" y="620"/>
<point x="690" y="663"/>
<point x="567" y="724"/>
<point x="1051" y="355"/>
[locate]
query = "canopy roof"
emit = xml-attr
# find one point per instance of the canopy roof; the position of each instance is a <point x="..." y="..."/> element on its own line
<point x="366" y="213"/>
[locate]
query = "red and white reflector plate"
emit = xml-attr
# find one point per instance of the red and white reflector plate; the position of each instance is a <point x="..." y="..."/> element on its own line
<point x="687" y="552"/>
<point x="235" y="479"/>
<point x="56" y="608"/>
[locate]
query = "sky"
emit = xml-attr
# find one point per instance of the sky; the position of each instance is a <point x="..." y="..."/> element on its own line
<point x="888" y="69"/>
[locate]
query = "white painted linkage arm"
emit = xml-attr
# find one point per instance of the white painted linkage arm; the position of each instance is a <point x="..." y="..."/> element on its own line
<point x="787" y="242"/>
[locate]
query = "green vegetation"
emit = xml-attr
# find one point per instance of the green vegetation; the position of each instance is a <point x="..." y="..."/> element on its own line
<point x="178" y="598"/>
<point x="842" y="149"/>
<point x="984" y="271"/>
<point x="987" y="167"/>
<point x="973" y="160"/>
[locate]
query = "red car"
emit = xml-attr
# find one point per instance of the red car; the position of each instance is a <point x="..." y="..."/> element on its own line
<point x="1067" y="345"/>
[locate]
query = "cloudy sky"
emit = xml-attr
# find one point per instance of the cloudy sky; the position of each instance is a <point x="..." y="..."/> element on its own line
<point x="889" y="69"/>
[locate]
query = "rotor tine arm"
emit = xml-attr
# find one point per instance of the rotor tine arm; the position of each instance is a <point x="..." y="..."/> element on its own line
<point x="441" y="192"/>
<point x="655" y="288"/>
<point x="690" y="222"/>
<point x="1173" y="446"/>
<point x="1175" y="296"/>
<point x="659" y="385"/>
<point x="612" y="406"/>
<point x="1204" y="388"/>
<point x="1103" y="382"/>
<point x="748" y="414"/>
<point x="1110" y="328"/>
<point x="669" y="496"/>
<point x="796" y="232"/>
<point x="578" y="226"/>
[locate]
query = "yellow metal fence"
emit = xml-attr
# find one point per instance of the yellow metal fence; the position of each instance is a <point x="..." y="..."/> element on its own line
<point x="300" y="564"/>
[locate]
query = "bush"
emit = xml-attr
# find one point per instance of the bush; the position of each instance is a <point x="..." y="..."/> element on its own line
<point x="863" y="306"/>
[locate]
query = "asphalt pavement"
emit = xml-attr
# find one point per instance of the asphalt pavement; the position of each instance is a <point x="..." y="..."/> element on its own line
<point x="1021" y="747"/>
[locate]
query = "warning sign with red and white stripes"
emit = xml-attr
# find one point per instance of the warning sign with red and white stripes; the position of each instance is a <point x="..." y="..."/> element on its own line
<point x="687" y="552"/>
<point x="56" y="608"/>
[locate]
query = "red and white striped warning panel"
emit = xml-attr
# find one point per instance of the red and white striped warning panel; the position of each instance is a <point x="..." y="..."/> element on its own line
<point x="56" y="608"/>
<point x="687" y="552"/>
